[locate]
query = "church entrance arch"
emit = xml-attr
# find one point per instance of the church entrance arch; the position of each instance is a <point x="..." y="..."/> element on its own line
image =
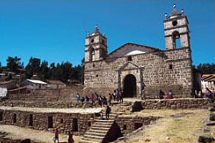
<point x="129" y="86"/>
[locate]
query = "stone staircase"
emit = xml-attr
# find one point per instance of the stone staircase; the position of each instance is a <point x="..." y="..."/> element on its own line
<point x="102" y="131"/>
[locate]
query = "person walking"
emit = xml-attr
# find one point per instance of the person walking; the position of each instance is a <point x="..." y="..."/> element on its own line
<point x="56" y="135"/>
<point x="70" y="138"/>
<point x="108" y="110"/>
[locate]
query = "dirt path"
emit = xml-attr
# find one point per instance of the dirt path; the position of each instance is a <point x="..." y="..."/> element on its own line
<point x="35" y="135"/>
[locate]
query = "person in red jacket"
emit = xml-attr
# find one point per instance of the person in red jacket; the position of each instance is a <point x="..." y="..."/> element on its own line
<point x="56" y="135"/>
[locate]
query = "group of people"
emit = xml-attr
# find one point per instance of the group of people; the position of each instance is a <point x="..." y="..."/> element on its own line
<point x="95" y="99"/>
<point x="91" y="101"/>
<point x="56" y="137"/>
<point x="168" y="95"/>
<point x="118" y="95"/>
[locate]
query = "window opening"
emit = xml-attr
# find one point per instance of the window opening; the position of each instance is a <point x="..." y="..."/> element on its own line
<point x="176" y="40"/>
<point x="129" y="58"/>
<point x="170" y="66"/>
<point x="61" y="120"/>
<point x="50" y="122"/>
<point x="75" y="125"/>
<point x="30" y="120"/>
<point x="1" y="116"/>
<point x="14" y="118"/>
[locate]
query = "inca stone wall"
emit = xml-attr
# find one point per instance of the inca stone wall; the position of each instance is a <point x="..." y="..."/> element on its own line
<point x="40" y="121"/>
<point x="44" y="95"/>
<point x="128" y="124"/>
<point x="166" y="70"/>
<point x="186" y="103"/>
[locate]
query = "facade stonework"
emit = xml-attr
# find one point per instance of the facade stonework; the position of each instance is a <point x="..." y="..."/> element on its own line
<point x="139" y="70"/>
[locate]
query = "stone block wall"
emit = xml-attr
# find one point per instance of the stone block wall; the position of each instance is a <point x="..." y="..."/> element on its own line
<point x="171" y="69"/>
<point x="128" y="123"/>
<point x="42" y="121"/>
<point x="186" y="103"/>
<point x="65" y="94"/>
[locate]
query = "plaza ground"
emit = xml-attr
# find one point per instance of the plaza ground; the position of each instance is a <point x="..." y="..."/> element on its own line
<point x="173" y="126"/>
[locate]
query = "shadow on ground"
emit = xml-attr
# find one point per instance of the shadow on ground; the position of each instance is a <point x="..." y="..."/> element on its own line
<point x="4" y="139"/>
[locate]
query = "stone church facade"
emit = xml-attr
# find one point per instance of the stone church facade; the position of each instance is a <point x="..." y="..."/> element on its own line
<point x="139" y="70"/>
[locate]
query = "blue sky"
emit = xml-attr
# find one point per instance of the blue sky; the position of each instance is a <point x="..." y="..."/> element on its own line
<point x="54" y="30"/>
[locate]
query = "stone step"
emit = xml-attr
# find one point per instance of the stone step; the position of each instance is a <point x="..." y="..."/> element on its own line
<point x="99" y="120"/>
<point x="99" y="128"/>
<point x="97" y="133"/>
<point x="94" y="131"/>
<point x="89" y="141"/>
<point x="101" y="125"/>
<point x="94" y="137"/>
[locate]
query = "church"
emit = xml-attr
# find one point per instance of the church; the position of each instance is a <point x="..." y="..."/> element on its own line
<point x="140" y="70"/>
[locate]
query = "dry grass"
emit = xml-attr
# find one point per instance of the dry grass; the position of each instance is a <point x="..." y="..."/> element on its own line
<point x="175" y="126"/>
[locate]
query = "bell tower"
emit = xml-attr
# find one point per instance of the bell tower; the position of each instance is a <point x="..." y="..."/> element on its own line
<point x="95" y="46"/>
<point x="176" y="30"/>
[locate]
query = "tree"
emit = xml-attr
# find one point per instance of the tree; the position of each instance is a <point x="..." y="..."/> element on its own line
<point x="33" y="67"/>
<point x="13" y="64"/>
<point x="44" y="71"/>
<point x="206" y="68"/>
<point x="1" y="68"/>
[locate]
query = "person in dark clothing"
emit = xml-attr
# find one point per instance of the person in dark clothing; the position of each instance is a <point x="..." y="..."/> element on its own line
<point x="100" y="101"/>
<point x="108" y="110"/>
<point x="104" y="100"/>
<point x="82" y="101"/>
<point x="161" y="94"/>
<point x="70" y="138"/>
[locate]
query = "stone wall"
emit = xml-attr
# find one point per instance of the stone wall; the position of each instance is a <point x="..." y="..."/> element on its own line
<point x="182" y="103"/>
<point x="40" y="121"/>
<point x="65" y="121"/>
<point x="128" y="123"/>
<point x="65" y="94"/>
<point x="166" y="70"/>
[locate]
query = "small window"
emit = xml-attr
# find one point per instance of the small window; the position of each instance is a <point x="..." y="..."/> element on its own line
<point x="1" y="116"/>
<point x="92" y="40"/>
<point x="174" y="23"/>
<point x="30" y="120"/>
<point x="97" y="75"/>
<point x="170" y="66"/>
<point x="124" y="127"/>
<point x="129" y="58"/>
<point x="89" y="124"/>
<point x="14" y="118"/>
<point x="75" y="125"/>
<point x="50" y="122"/>
<point x="61" y="120"/>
